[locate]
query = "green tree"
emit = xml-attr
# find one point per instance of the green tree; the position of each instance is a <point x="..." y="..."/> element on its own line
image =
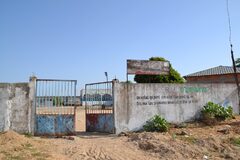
<point x="173" y="77"/>
<point x="57" y="101"/>
<point x="237" y="62"/>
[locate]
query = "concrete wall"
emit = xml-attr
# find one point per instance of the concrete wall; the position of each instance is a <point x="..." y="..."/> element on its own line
<point x="16" y="111"/>
<point x="134" y="104"/>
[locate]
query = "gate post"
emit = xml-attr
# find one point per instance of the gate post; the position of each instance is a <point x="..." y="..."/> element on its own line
<point x="75" y="106"/>
<point x="32" y="106"/>
<point x="114" y="82"/>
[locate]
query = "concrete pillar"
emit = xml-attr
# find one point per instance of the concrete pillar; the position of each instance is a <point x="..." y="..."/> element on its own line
<point x="32" y="108"/>
<point x="5" y="106"/>
<point x="114" y="93"/>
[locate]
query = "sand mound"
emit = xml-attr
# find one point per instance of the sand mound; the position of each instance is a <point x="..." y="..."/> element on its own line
<point x="15" y="146"/>
<point x="164" y="145"/>
<point x="12" y="137"/>
<point x="188" y="143"/>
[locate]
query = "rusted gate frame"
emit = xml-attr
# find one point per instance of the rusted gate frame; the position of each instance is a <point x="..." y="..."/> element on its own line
<point x="98" y="98"/>
<point x="54" y="97"/>
<point x="108" y="90"/>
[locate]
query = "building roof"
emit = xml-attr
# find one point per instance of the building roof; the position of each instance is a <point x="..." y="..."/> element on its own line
<point x="214" y="71"/>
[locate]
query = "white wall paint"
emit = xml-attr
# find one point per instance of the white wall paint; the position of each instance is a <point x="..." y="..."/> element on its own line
<point x="136" y="103"/>
<point x="16" y="107"/>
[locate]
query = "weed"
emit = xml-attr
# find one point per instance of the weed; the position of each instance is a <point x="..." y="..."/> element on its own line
<point x="174" y="136"/>
<point x="28" y="145"/>
<point x="28" y="135"/>
<point x="212" y="111"/>
<point x="189" y="139"/>
<point x="157" y="123"/>
<point x="235" y="141"/>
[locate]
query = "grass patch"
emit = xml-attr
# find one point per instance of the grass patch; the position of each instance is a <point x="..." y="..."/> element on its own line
<point x="34" y="152"/>
<point x="9" y="156"/>
<point x="28" y="135"/>
<point x="174" y="136"/>
<point x="189" y="139"/>
<point x="39" y="155"/>
<point x="27" y="146"/>
<point x="235" y="141"/>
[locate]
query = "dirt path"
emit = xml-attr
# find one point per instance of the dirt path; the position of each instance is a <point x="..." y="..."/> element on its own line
<point x="90" y="147"/>
<point x="193" y="141"/>
<point x="83" y="147"/>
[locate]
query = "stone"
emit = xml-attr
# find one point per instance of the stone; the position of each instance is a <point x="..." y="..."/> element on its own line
<point x="205" y="157"/>
<point x="182" y="133"/>
<point x="225" y="129"/>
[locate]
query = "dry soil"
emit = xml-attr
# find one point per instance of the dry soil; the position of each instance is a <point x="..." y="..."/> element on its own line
<point x="186" y="141"/>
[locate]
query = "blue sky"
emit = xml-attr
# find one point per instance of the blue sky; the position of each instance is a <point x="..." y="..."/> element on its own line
<point x="81" y="39"/>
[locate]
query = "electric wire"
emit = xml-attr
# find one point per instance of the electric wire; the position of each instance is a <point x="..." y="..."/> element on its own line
<point x="229" y="23"/>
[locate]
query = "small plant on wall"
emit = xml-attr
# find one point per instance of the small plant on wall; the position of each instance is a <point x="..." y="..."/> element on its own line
<point x="156" y="124"/>
<point x="211" y="113"/>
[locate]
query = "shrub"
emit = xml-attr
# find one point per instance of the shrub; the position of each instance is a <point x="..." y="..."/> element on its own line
<point x="216" y="111"/>
<point x="157" y="123"/>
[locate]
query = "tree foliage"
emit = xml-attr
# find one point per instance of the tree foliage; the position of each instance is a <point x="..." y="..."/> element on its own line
<point x="173" y="77"/>
<point x="57" y="101"/>
<point x="237" y="62"/>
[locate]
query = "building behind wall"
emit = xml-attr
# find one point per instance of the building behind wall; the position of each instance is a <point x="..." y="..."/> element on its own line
<point x="220" y="74"/>
<point x="63" y="100"/>
<point x="96" y="97"/>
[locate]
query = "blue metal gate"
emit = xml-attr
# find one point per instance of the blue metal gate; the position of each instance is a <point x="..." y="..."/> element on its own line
<point x="98" y="99"/>
<point x="55" y="103"/>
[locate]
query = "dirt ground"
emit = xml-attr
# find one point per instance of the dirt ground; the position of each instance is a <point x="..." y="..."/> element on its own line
<point x="185" y="141"/>
<point x="80" y="119"/>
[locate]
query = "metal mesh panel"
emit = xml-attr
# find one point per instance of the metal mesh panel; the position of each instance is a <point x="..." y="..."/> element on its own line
<point x="98" y="98"/>
<point x="55" y="96"/>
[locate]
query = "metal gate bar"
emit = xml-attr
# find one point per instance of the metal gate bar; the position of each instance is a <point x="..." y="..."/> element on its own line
<point x="55" y="103"/>
<point x="98" y="99"/>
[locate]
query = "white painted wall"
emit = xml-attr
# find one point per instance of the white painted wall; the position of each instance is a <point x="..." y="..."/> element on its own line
<point x="134" y="104"/>
<point x="5" y="106"/>
<point x="16" y="107"/>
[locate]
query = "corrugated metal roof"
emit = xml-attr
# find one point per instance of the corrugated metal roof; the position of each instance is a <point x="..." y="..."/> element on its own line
<point x="214" y="71"/>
